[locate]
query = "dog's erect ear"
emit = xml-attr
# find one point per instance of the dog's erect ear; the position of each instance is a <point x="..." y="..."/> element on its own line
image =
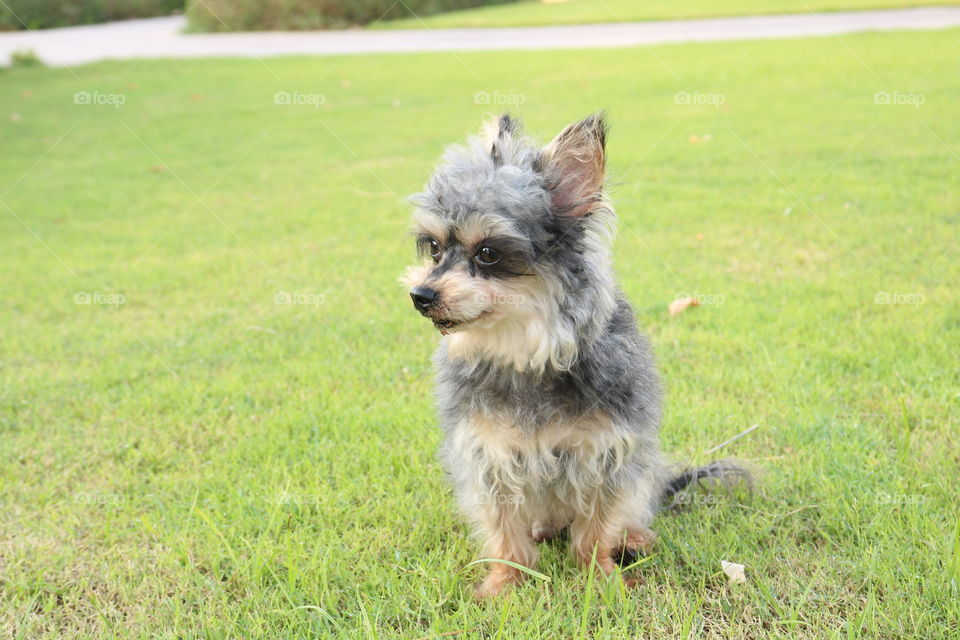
<point x="573" y="166"/>
<point x="502" y="133"/>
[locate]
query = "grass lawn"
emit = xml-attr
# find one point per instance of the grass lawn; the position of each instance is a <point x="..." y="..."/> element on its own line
<point x="539" y="12"/>
<point x="215" y="400"/>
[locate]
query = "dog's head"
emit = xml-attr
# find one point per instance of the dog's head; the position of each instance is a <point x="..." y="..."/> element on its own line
<point x="512" y="237"/>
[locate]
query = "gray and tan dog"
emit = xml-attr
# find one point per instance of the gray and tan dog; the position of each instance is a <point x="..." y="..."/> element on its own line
<point x="548" y="394"/>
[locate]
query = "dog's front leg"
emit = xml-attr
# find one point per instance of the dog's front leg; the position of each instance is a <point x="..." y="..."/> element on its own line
<point x="596" y="530"/>
<point x="506" y="535"/>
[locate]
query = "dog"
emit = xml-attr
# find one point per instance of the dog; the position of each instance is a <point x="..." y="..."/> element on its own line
<point x="547" y="392"/>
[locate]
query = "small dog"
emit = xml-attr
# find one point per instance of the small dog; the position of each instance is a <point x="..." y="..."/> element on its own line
<point x="548" y="394"/>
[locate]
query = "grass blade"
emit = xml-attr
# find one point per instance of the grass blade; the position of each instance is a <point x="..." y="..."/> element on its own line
<point x="519" y="567"/>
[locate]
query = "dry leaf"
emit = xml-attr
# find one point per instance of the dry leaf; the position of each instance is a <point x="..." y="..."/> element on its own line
<point x="679" y="306"/>
<point x="734" y="572"/>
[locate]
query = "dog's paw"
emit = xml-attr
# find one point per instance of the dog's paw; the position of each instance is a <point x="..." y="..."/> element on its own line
<point x="499" y="578"/>
<point x="641" y="540"/>
<point x="638" y="542"/>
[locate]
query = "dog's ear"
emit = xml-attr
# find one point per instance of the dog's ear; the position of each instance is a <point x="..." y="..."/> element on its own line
<point x="573" y="166"/>
<point x="501" y="134"/>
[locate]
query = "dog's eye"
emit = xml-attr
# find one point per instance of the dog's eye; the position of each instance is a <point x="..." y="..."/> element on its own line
<point x="487" y="256"/>
<point x="435" y="251"/>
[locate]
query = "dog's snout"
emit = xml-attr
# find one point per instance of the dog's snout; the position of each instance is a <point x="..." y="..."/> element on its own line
<point x="423" y="297"/>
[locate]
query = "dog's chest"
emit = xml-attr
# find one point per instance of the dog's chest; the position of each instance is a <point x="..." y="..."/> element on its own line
<point x="498" y="457"/>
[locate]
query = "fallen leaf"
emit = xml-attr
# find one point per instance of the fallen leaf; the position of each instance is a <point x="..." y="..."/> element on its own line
<point x="734" y="572"/>
<point x="679" y="306"/>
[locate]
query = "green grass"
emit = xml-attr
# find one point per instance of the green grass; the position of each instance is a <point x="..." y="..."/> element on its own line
<point x="203" y="462"/>
<point x="536" y="12"/>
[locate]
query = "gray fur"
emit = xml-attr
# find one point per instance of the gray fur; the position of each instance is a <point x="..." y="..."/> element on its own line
<point x="554" y="222"/>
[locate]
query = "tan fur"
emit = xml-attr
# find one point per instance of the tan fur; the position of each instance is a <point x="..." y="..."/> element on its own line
<point x="430" y="224"/>
<point x="479" y="227"/>
<point x="524" y="333"/>
<point x="515" y="323"/>
<point x="528" y="455"/>
<point x="507" y="500"/>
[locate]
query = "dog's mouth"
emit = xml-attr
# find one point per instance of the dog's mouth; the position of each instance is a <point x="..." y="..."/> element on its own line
<point x="449" y="325"/>
<point x="446" y="326"/>
<point x="443" y="324"/>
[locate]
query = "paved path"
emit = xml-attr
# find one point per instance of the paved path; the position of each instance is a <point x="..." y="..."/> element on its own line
<point x="162" y="37"/>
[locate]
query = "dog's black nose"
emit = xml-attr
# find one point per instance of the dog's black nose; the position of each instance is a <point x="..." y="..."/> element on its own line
<point x="423" y="297"/>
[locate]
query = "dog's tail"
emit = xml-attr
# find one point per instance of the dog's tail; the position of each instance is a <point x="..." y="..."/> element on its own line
<point x="724" y="472"/>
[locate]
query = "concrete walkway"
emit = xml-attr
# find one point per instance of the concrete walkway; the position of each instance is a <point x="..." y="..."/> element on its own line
<point x="162" y="37"/>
